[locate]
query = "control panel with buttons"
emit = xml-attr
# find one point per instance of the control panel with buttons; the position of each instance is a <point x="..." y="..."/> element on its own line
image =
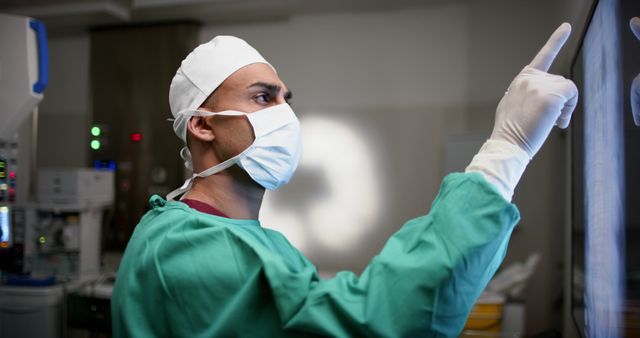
<point x="8" y="182"/>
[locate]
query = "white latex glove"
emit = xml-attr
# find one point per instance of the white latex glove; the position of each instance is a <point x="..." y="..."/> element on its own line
<point x="536" y="100"/>
<point x="533" y="104"/>
<point x="635" y="85"/>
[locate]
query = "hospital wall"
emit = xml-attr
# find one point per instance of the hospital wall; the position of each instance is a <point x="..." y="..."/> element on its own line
<point x="394" y="89"/>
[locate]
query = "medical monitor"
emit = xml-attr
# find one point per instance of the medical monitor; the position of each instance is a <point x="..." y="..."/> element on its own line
<point x="605" y="176"/>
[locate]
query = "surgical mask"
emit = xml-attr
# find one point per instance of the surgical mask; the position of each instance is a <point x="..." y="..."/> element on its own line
<point x="270" y="160"/>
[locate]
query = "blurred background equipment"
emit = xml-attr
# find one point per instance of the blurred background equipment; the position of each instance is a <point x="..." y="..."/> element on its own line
<point x="66" y="238"/>
<point x="23" y="79"/>
<point x="24" y="65"/>
<point x="131" y="68"/>
<point x="59" y="242"/>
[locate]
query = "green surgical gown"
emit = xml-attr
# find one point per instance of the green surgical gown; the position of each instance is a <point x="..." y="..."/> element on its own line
<point x="190" y="274"/>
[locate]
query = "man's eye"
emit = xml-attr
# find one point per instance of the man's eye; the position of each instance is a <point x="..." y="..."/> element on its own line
<point x="263" y="98"/>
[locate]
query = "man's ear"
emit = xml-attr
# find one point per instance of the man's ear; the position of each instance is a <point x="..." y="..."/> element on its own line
<point x="200" y="129"/>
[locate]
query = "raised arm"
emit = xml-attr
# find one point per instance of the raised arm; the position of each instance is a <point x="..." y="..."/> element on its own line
<point x="534" y="102"/>
<point x="430" y="273"/>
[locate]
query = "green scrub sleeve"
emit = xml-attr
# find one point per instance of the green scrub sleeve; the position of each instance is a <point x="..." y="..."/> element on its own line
<point x="422" y="284"/>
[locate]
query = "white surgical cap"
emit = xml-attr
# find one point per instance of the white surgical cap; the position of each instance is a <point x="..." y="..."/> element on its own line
<point x="202" y="71"/>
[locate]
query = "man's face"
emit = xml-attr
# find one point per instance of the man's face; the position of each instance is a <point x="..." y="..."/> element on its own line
<point x="251" y="88"/>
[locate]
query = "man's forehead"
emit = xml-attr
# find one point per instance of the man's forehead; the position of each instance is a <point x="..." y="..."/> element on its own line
<point x="251" y="74"/>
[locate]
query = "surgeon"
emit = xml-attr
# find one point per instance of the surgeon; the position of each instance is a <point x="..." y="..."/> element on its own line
<point x="199" y="264"/>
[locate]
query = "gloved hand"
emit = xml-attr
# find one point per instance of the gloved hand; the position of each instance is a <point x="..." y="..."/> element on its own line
<point x="635" y="85"/>
<point x="533" y="104"/>
<point x="536" y="100"/>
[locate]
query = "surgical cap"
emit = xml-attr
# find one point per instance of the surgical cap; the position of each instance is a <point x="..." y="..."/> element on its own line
<point x="202" y="71"/>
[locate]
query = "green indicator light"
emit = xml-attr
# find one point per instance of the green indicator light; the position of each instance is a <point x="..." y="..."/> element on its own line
<point x="95" y="131"/>
<point x="95" y="144"/>
<point x="42" y="240"/>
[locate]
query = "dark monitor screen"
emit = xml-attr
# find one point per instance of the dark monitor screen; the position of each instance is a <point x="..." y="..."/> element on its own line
<point x="606" y="176"/>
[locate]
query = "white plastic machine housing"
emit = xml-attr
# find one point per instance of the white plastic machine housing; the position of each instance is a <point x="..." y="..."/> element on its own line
<point x="23" y="70"/>
<point x="84" y="191"/>
<point x="78" y="188"/>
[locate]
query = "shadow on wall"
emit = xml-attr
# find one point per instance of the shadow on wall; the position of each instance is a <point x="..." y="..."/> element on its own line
<point x="336" y="196"/>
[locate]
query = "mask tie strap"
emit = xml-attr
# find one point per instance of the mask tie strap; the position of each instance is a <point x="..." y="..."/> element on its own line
<point x="186" y="186"/>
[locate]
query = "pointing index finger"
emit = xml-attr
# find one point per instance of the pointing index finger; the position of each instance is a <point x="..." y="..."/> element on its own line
<point x="547" y="54"/>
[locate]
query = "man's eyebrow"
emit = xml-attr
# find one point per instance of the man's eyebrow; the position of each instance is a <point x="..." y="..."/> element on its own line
<point x="272" y="88"/>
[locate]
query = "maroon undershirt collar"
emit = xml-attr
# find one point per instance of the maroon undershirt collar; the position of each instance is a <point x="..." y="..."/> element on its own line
<point x="203" y="207"/>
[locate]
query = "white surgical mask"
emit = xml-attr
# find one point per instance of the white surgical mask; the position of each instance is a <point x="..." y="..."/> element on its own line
<point x="270" y="160"/>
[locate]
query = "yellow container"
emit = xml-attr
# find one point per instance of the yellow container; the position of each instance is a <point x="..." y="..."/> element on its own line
<point x="485" y="319"/>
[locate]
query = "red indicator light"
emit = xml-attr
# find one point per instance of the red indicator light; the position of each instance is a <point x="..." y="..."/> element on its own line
<point x="12" y="174"/>
<point x="12" y="191"/>
<point x="136" y="137"/>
